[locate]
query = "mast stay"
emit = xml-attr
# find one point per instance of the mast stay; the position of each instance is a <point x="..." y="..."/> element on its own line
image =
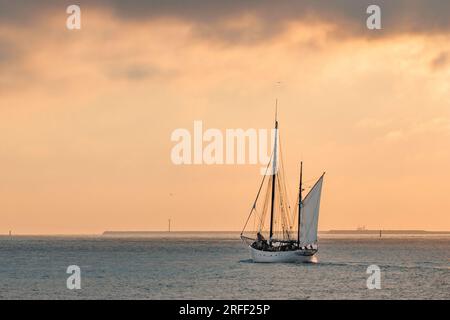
<point x="300" y="204"/>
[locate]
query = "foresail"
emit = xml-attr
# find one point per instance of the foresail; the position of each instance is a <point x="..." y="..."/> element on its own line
<point x="310" y="215"/>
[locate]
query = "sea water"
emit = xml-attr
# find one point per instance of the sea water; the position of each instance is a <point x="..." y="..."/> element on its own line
<point x="217" y="266"/>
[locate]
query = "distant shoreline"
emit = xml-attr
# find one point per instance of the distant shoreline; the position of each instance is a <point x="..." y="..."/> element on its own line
<point x="412" y="232"/>
<point x="383" y="232"/>
<point x="227" y="234"/>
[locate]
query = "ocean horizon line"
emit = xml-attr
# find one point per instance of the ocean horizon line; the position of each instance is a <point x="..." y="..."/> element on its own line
<point x="332" y="231"/>
<point x="218" y="232"/>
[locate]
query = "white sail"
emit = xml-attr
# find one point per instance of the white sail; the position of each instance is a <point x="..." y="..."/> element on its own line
<point x="310" y="215"/>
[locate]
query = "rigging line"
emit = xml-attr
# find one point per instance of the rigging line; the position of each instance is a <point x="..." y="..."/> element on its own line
<point x="283" y="224"/>
<point x="283" y="209"/>
<point x="260" y="222"/>
<point x="257" y="195"/>
<point x="261" y="216"/>
<point x="287" y="186"/>
<point x="266" y="202"/>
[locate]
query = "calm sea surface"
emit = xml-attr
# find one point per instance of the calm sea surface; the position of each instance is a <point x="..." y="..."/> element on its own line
<point x="217" y="266"/>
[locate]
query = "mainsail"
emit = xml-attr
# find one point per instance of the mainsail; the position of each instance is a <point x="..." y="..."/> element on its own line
<point x="310" y="215"/>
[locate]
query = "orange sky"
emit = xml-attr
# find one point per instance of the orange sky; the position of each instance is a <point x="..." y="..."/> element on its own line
<point x="86" y="118"/>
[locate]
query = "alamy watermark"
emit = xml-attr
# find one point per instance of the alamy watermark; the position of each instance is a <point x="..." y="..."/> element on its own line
<point x="373" y="22"/>
<point x="232" y="146"/>
<point x="374" y="280"/>
<point x="73" y="21"/>
<point x="74" y="280"/>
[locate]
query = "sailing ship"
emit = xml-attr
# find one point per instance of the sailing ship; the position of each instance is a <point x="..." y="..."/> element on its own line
<point x="281" y="233"/>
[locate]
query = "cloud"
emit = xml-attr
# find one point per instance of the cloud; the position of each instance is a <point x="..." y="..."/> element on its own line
<point x="394" y="136"/>
<point x="348" y="17"/>
<point x="137" y="72"/>
<point x="436" y="126"/>
<point x="5" y="54"/>
<point x="8" y="52"/>
<point x="372" y="123"/>
<point x="440" y="61"/>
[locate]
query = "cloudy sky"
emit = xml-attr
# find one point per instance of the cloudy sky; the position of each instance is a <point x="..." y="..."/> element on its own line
<point x="86" y="116"/>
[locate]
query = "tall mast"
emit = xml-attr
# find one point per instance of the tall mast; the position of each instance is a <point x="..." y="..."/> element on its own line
<point x="274" y="172"/>
<point x="300" y="203"/>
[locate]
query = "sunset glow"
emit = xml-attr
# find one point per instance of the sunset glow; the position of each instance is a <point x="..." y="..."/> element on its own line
<point x="86" y="116"/>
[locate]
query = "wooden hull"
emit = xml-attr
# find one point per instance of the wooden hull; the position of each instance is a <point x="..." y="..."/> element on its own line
<point x="282" y="256"/>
